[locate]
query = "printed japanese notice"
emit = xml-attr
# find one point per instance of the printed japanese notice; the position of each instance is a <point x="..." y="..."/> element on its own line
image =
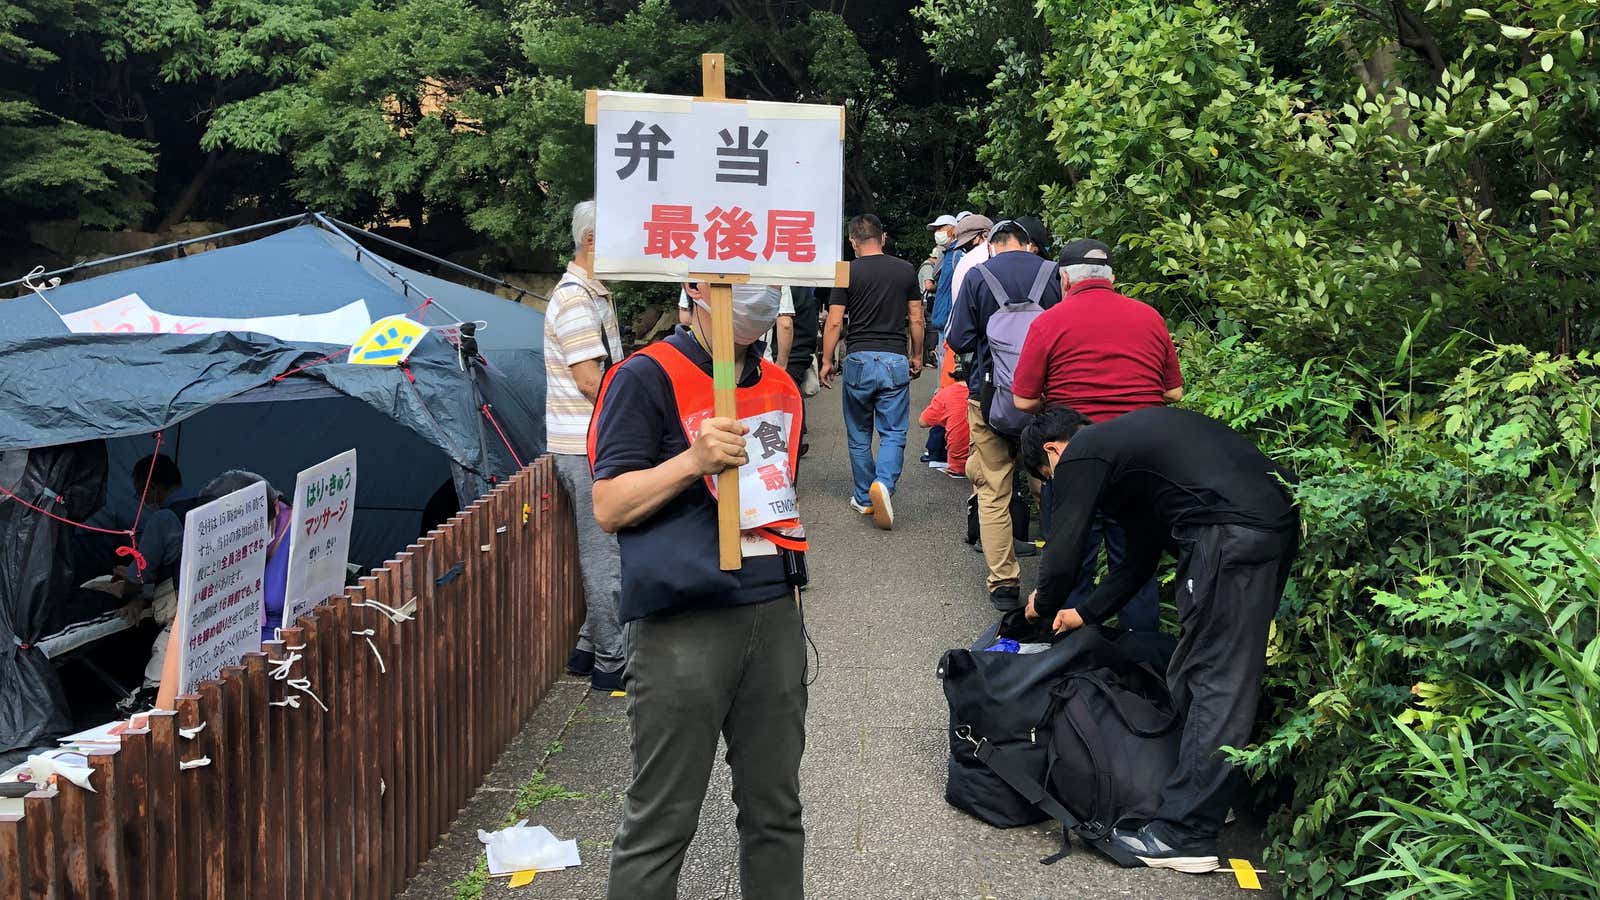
<point x="684" y="185"/>
<point x="220" y="591"/>
<point x="319" y="536"/>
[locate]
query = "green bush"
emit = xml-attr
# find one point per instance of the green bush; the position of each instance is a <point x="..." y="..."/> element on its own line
<point x="1374" y="231"/>
<point x="1433" y="674"/>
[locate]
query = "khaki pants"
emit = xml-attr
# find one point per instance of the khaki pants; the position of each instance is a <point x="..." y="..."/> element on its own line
<point x="990" y="467"/>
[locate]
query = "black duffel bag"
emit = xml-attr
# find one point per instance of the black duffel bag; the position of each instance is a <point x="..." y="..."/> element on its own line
<point x="1113" y="741"/>
<point x="1005" y="707"/>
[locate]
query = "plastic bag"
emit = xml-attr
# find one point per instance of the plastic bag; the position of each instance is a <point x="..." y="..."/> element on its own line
<point x="519" y="847"/>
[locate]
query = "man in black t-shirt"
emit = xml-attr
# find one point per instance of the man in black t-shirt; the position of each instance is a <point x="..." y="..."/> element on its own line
<point x="1181" y="483"/>
<point x="884" y="304"/>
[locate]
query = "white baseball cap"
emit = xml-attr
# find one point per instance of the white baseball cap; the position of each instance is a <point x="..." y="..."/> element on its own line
<point x="941" y="222"/>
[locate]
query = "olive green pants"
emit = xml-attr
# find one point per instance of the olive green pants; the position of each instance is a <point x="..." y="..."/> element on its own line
<point x="738" y="672"/>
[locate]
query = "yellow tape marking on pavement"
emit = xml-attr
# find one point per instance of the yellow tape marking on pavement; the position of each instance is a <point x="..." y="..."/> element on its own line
<point x="619" y="693"/>
<point x="1246" y="874"/>
<point x="518" y="879"/>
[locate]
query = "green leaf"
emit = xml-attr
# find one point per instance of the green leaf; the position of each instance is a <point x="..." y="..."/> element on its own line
<point x="1516" y="33"/>
<point x="1546" y="62"/>
<point x="1575" y="39"/>
<point x="1540" y="194"/>
<point x="1517" y="86"/>
<point x="1476" y="14"/>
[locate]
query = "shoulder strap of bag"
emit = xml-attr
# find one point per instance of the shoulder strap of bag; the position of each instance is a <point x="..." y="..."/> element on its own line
<point x="1015" y="774"/>
<point x="1000" y="296"/>
<point x="1036" y="292"/>
<point x="605" y="341"/>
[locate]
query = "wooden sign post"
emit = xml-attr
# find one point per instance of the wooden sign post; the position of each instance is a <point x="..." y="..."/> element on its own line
<point x="724" y="381"/>
<point x="706" y="168"/>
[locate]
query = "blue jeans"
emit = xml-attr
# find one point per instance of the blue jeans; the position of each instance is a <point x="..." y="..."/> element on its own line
<point x="877" y="394"/>
<point x="1143" y="612"/>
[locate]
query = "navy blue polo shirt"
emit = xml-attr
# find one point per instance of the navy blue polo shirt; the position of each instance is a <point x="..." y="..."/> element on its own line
<point x="669" y="561"/>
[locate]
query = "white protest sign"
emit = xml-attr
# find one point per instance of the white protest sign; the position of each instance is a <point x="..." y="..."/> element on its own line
<point x="319" y="534"/>
<point x="220" y="589"/>
<point x="131" y="315"/>
<point x="685" y="185"/>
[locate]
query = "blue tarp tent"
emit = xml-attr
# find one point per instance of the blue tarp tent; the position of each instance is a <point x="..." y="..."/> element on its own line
<point x="249" y="400"/>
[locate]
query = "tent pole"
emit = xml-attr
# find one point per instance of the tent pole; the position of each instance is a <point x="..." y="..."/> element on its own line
<point x="437" y="260"/>
<point x="382" y="263"/>
<point x="175" y="245"/>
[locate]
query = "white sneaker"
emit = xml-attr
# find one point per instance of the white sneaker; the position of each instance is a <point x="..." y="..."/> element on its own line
<point x="938" y="465"/>
<point x="882" y="507"/>
<point x="863" y="508"/>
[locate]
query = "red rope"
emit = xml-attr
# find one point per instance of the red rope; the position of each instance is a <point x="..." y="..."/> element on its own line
<point x="314" y="362"/>
<point x="130" y="549"/>
<point x="145" y="492"/>
<point x="488" y="413"/>
<point x="126" y="532"/>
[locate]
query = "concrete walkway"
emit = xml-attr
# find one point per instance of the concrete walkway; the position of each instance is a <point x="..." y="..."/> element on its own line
<point x="882" y="608"/>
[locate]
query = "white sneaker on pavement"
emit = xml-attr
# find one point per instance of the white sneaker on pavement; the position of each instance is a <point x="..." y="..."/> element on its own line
<point x="882" y="506"/>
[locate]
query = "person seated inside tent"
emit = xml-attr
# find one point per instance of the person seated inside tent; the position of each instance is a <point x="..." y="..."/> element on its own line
<point x="274" y="580"/>
<point x="158" y="535"/>
<point x="158" y="538"/>
<point x="279" y="515"/>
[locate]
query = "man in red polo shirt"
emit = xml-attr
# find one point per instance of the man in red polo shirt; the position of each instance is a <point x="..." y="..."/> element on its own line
<point x="1102" y="354"/>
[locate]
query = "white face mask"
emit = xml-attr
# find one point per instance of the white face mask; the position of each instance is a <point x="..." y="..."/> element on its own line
<point x="755" y="309"/>
<point x="942" y="238"/>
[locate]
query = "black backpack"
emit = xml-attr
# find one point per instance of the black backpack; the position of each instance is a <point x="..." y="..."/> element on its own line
<point x="1083" y="733"/>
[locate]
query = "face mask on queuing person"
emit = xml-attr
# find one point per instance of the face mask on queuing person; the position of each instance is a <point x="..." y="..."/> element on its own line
<point x="755" y="310"/>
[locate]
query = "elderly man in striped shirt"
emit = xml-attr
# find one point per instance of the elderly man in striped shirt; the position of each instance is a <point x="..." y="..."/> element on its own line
<point x="581" y="341"/>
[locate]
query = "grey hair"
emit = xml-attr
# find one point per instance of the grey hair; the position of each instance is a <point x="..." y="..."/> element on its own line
<point x="582" y="222"/>
<point x="1083" y="271"/>
<point x="233" y="480"/>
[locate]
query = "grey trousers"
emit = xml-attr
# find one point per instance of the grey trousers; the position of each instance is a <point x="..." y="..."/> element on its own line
<point x="601" y="564"/>
<point x="738" y="672"/>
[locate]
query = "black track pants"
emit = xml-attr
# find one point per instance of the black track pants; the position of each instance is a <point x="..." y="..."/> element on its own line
<point x="1230" y="579"/>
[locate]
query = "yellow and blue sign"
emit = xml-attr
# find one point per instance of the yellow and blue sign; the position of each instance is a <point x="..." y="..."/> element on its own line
<point x="388" y="342"/>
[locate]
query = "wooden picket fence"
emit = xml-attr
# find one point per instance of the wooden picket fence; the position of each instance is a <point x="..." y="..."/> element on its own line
<point x="296" y="802"/>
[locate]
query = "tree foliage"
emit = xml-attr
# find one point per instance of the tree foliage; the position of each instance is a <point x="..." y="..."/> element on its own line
<point x="1375" y="228"/>
<point x="51" y="164"/>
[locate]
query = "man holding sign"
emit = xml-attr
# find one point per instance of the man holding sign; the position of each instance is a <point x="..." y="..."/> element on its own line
<point x="710" y="652"/>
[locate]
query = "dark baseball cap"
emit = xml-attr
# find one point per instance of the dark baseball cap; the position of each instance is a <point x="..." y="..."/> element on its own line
<point x="1085" y="251"/>
<point x="1038" y="235"/>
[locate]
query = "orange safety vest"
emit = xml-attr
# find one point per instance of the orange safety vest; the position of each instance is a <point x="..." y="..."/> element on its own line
<point x="695" y="395"/>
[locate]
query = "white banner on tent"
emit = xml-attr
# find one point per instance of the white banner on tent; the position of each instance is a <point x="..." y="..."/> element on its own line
<point x="220" y="584"/>
<point x="319" y="534"/>
<point x="131" y="315"/>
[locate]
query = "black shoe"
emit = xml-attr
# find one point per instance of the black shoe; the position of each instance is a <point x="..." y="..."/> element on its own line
<point x="925" y="457"/>
<point x="1145" y="848"/>
<point x="580" y="663"/>
<point x="610" y="682"/>
<point x="1006" y="598"/>
<point x="1024" y="548"/>
<point x="804" y="449"/>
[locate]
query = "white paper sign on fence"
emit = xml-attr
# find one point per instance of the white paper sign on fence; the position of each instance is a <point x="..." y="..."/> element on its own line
<point x="220" y="589"/>
<point x="683" y="185"/>
<point x="319" y="534"/>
